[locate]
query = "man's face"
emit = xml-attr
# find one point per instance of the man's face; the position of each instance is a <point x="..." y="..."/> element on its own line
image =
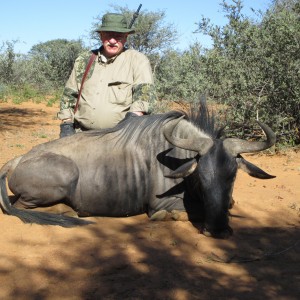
<point x="113" y="42"/>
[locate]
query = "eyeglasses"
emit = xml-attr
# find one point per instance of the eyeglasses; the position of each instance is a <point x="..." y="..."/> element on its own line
<point x="107" y="35"/>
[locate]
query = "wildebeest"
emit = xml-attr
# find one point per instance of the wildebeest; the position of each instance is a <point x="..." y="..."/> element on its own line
<point x="158" y="164"/>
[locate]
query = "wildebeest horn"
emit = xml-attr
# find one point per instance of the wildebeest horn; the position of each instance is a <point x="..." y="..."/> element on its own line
<point x="237" y="146"/>
<point x="196" y="143"/>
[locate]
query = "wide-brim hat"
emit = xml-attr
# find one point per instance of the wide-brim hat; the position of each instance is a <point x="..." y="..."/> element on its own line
<point x="114" y="22"/>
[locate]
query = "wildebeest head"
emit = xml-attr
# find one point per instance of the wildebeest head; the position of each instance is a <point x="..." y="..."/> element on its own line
<point x="210" y="175"/>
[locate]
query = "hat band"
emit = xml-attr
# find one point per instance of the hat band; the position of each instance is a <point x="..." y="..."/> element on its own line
<point x="113" y="24"/>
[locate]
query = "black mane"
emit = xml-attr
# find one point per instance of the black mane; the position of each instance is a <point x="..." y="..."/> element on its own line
<point x="132" y="124"/>
<point x="200" y="116"/>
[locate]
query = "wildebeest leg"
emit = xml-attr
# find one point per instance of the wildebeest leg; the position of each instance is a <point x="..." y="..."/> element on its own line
<point x="13" y="199"/>
<point x="178" y="215"/>
<point x="60" y="208"/>
<point x="175" y="215"/>
<point x="44" y="180"/>
<point x="168" y="209"/>
<point x="161" y="215"/>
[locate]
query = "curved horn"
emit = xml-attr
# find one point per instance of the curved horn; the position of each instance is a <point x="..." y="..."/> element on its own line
<point x="237" y="146"/>
<point x="196" y="143"/>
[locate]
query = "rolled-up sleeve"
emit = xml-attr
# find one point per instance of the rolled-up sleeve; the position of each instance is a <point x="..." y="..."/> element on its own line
<point x="69" y="98"/>
<point x="143" y="92"/>
<point x="71" y="90"/>
<point x="144" y="97"/>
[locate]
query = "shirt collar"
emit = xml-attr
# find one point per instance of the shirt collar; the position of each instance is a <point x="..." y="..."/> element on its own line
<point x="103" y="60"/>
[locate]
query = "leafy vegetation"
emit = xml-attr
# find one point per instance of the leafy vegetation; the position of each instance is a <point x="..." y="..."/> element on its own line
<point x="251" y="71"/>
<point x="43" y="71"/>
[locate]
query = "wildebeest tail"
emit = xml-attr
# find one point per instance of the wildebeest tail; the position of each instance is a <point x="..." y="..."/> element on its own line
<point x="42" y="218"/>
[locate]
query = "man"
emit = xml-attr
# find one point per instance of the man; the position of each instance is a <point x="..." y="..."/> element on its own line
<point x="120" y="80"/>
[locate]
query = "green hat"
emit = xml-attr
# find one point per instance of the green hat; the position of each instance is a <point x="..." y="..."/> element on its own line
<point x="114" y="22"/>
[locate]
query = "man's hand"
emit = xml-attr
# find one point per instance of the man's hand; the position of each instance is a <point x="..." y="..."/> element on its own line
<point x="138" y="113"/>
<point x="66" y="129"/>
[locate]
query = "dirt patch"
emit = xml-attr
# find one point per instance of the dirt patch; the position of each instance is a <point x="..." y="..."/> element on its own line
<point x="133" y="258"/>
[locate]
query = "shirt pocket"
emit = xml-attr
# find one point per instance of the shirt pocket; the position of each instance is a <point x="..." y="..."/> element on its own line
<point x="120" y="92"/>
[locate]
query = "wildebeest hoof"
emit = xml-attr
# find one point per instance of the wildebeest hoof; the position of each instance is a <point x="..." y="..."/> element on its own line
<point x="231" y="203"/>
<point x="159" y="215"/>
<point x="178" y="215"/>
<point x="225" y="234"/>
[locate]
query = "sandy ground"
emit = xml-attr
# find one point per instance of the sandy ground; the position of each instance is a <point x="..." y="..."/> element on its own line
<point x="133" y="258"/>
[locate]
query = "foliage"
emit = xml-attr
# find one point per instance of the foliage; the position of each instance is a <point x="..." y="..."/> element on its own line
<point x="254" y="70"/>
<point x="44" y="70"/>
<point x="54" y="60"/>
<point x="180" y="76"/>
<point x="281" y="44"/>
<point x="21" y="93"/>
<point x="7" y="59"/>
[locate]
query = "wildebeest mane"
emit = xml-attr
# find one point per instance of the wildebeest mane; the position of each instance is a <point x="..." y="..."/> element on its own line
<point x="134" y="126"/>
<point x="204" y="119"/>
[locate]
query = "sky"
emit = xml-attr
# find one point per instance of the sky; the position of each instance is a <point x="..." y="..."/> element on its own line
<point x="31" y="22"/>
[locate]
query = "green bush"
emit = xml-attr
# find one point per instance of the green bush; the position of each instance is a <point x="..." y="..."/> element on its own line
<point x="252" y="71"/>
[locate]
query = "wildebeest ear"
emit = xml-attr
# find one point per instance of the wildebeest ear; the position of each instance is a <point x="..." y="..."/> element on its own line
<point x="184" y="170"/>
<point x="251" y="169"/>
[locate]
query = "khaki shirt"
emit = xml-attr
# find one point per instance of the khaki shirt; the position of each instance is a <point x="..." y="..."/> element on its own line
<point x="112" y="88"/>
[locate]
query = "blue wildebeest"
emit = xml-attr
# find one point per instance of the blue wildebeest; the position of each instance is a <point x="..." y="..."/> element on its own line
<point x="157" y="164"/>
